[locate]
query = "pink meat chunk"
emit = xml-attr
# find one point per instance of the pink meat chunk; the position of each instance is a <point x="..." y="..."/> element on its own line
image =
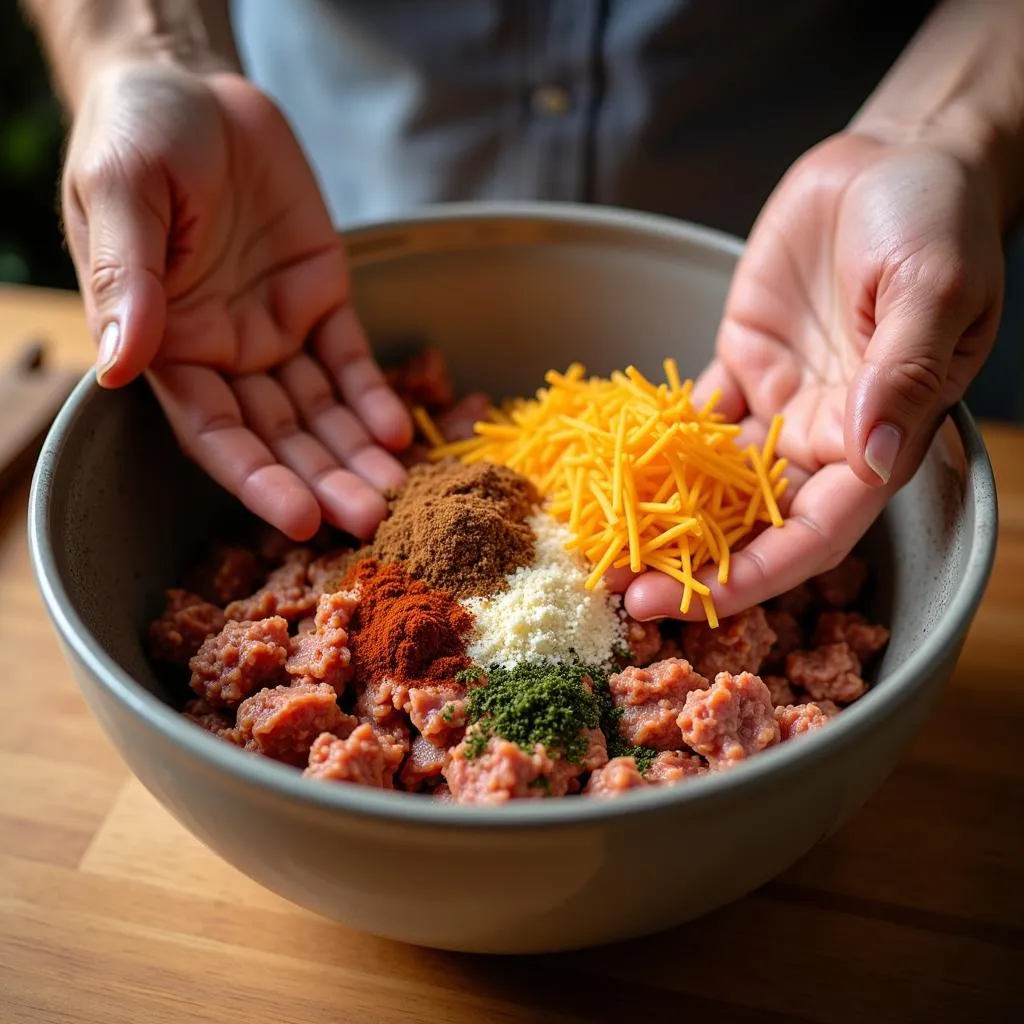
<point x="795" y="602"/>
<point x="209" y="718"/>
<point x="651" y="699"/>
<point x="358" y="758"/>
<point x="180" y="631"/>
<point x="831" y="672"/>
<point x="643" y="639"/>
<point x="673" y="766"/>
<point x="840" y="587"/>
<point x="863" y="638"/>
<point x="326" y="572"/>
<point x="283" y="722"/>
<point x="457" y="423"/>
<point x="239" y="660"/>
<point x="782" y="693"/>
<point x="285" y="593"/>
<point x="322" y="655"/>
<point x="228" y="574"/>
<point x="739" y="644"/>
<point x="423" y="380"/>
<point x="788" y="636"/>
<point x="502" y="772"/>
<point x="618" y="776"/>
<point x="442" y="792"/>
<point x="424" y="763"/>
<point x="438" y="710"/>
<point x="731" y="720"/>
<point x="799" y="718"/>
<point x="563" y="776"/>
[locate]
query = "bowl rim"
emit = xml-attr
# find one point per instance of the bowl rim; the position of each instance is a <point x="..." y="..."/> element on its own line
<point x="284" y="783"/>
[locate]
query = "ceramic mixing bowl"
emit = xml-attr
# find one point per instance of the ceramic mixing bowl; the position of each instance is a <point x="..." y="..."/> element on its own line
<point x="507" y="291"/>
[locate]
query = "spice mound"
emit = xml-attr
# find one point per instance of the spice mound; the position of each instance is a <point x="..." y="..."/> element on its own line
<point x="461" y="528"/>
<point x="472" y="652"/>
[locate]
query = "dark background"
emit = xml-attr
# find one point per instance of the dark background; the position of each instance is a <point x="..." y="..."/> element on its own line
<point x="31" y="140"/>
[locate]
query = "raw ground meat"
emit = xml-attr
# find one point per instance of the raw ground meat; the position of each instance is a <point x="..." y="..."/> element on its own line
<point x="212" y="720"/>
<point x="731" y="720"/>
<point x="619" y="775"/>
<point x="357" y="758"/>
<point x="457" y="423"/>
<point x="643" y="638"/>
<point x="782" y="693"/>
<point x="423" y="380"/>
<point x="794" y="602"/>
<point x="840" y="587"/>
<point x="286" y="593"/>
<point x="186" y="622"/>
<point x="425" y="762"/>
<point x="864" y="639"/>
<point x="502" y="772"/>
<point x="283" y="722"/>
<point x="788" y="637"/>
<point x="651" y="699"/>
<point x="831" y="672"/>
<point x="228" y="574"/>
<point x="239" y="660"/>
<point x="799" y="718"/>
<point x="325" y="573"/>
<point x="674" y="766"/>
<point x="442" y="792"/>
<point x="438" y="710"/>
<point x="563" y="776"/>
<point x="739" y="644"/>
<point x="322" y="655"/>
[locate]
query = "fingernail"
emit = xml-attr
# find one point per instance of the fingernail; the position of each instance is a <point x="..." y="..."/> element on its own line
<point x="882" y="449"/>
<point x="110" y="342"/>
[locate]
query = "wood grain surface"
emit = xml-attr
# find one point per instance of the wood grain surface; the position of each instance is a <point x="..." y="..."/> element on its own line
<point x="110" y="912"/>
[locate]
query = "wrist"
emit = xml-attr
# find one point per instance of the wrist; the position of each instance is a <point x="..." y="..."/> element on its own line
<point x="86" y="40"/>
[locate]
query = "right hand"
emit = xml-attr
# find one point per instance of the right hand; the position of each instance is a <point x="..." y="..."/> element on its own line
<point x="207" y="260"/>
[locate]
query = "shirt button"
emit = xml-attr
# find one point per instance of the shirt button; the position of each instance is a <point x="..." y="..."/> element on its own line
<point x="551" y="101"/>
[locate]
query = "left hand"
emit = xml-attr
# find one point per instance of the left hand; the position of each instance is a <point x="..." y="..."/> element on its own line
<point x="866" y="301"/>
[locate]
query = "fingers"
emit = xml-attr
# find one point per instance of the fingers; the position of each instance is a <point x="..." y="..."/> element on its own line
<point x="119" y="217"/>
<point x="904" y="383"/>
<point x="311" y="393"/>
<point x="829" y="514"/>
<point x="347" y="499"/>
<point x="207" y="420"/>
<point x="341" y="347"/>
<point x="717" y="379"/>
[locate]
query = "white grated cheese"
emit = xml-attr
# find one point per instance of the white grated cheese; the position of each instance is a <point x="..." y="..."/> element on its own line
<point x="546" y="613"/>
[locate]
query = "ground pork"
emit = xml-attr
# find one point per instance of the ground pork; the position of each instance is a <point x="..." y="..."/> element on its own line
<point x="186" y="622"/>
<point x="831" y="672"/>
<point x="739" y="644"/>
<point x="729" y="721"/>
<point x="239" y="660"/>
<point x="650" y="700"/>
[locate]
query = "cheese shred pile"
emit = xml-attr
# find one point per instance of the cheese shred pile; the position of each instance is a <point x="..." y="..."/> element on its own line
<point x="642" y="477"/>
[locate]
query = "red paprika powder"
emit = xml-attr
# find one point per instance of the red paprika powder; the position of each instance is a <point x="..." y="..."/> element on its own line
<point x="403" y="630"/>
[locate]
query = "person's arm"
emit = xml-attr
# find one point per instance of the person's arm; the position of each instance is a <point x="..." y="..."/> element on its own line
<point x="80" y="36"/>
<point x="959" y="86"/>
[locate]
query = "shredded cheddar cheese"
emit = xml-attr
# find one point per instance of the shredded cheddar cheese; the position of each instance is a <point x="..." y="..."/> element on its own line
<point x="641" y="476"/>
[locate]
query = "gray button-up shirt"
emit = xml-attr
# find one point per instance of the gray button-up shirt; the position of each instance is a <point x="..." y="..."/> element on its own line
<point x="691" y="108"/>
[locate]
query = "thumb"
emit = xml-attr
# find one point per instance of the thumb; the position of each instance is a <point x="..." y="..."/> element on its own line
<point x="902" y="386"/>
<point x="127" y="222"/>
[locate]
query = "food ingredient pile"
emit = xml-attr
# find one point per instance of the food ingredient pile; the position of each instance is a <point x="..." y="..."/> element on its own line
<point x="472" y="651"/>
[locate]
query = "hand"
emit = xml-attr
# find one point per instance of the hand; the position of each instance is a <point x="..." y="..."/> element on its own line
<point x="207" y="259"/>
<point x="866" y="301"/>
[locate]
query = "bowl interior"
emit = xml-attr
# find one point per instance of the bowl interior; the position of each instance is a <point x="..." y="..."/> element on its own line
<point x="506" y="297"/>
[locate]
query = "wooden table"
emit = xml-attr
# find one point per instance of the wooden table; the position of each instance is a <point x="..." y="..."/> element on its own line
<point x="110" y="912"/>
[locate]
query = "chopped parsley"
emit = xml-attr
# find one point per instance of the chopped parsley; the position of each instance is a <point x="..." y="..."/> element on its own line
<point x="469" y="675"/>
<point x="534" y="702"/>
<point x="610" y="718"/>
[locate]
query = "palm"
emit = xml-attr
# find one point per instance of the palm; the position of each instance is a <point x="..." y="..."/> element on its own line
<point x="857" y="244"/>
<point x="246" y="275"/>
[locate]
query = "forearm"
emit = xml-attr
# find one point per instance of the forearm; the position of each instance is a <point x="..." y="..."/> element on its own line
<point x="81" y="36"/>
<point x="960" y="85"/>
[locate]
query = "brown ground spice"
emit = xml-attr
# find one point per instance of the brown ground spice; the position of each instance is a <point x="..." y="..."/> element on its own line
<point x="460" y="527"/>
